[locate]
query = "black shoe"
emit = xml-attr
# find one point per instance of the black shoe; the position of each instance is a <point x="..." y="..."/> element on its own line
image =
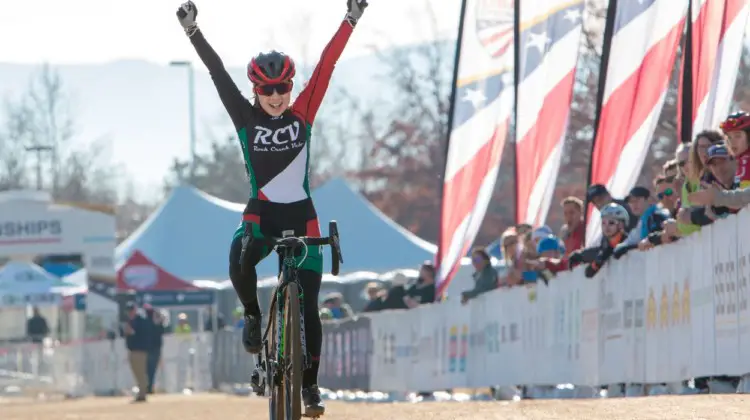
<point x="314" y="406"/>
<point x="139" y="398"/>
<point x="251" y="335"/>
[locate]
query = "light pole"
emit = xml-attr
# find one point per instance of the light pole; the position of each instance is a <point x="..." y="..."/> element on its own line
<point x="191" y="110"/>
<point x="39" y="149"/>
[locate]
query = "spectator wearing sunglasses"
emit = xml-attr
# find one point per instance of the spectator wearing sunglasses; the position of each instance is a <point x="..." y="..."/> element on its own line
<point x="723" y="168"/>
<point x="599" y="196"/>
<point x="614" y="230"/>
<point x="485" y="276"/>
<point x="696" y="172"/>
<point x="652" y="217"/>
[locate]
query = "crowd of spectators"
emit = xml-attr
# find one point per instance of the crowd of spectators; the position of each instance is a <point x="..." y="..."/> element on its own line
<point x="708" y="179"/>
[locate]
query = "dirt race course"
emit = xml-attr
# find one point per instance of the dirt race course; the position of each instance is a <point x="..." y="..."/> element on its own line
<point x="226" y="407"/>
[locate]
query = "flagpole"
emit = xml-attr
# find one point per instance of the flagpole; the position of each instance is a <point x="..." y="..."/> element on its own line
<point x="451" y="111"/>
<point x="609" y="29"/>
<point x="685" y="99"/>
<point x="516" y="76"/>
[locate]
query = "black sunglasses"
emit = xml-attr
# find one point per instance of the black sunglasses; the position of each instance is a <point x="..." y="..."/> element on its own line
<point x="268" y="90"/>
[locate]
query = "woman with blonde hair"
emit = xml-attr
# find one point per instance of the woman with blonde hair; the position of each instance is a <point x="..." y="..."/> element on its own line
<point x="695" y="172"/>
<point x="509" y="242"/>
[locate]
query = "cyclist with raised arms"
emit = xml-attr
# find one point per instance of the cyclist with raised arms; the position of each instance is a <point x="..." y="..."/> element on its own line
<point x="275" y="140"/>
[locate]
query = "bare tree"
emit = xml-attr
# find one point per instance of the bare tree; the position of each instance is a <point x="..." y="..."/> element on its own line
<point x="43" y="117"/>
<point x="219" y="172"/>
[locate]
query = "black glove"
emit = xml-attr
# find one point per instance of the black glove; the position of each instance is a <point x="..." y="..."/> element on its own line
<point x="590" y="271"/>
<point x="575" y="258"/>
<point x="354" y="10"/>
<point x="621" y="250"/>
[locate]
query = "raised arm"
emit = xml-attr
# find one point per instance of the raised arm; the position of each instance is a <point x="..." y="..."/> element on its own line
<point x="236" y="105"/>
<point x="308" y="102"/>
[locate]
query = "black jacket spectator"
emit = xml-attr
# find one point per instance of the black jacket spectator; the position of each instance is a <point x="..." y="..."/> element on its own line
<point x="36" y="327"/>
<point x="142" y="337"/>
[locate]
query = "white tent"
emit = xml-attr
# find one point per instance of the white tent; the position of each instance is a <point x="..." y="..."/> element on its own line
<point x="24" y="283"/>
<point x="190" y="234"/>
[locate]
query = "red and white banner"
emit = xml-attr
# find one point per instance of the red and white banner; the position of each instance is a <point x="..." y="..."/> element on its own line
<point x="550" y="38"/>
<point x="481" y="114"/>
<point x="641" y="55"/>
<point x="718" y="29"/>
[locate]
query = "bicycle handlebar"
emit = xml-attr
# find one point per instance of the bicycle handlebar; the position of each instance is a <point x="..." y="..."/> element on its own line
<point x="294" y="242"/>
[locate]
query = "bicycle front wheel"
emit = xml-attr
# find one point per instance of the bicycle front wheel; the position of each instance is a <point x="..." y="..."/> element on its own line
<point x="292" y="352"/>
<point x="277" y="402"/>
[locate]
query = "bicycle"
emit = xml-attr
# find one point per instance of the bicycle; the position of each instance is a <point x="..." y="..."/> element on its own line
<point x="284" y="356"/>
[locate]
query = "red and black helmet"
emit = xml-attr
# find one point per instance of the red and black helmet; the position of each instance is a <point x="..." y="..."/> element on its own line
<point x="738" y="121"/>
<point x="270" y="68"/>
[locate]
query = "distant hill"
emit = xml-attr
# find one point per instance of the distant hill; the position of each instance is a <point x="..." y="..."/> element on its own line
<point x="142" y="107"/>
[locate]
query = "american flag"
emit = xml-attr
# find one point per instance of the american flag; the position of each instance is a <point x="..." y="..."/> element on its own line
<point x="550" y="39"/>
<point x="483" y="102"/>
<point x="641" y="51"/>
<point x="495" y="25"/>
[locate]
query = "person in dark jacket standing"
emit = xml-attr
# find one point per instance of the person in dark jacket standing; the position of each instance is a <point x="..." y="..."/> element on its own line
<point x="485" y="276"/>
<point x="36" y="327"/>
<point x="137" y="331"/>
<point x="157" y="341"/>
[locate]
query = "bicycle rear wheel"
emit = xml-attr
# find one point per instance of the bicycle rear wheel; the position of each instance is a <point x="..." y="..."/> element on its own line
<point x="292" y="353"/>
<point x="276" y="403"/>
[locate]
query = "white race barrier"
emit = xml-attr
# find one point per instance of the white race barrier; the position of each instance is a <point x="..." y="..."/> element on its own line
<point x="102" y="368"/>
<point x="663" y="316"/>
<point x="666" y="315"/>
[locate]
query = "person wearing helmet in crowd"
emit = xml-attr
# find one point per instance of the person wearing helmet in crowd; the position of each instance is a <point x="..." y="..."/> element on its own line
<point x="737" y="130"/>
<point x="599" y="196"/>
<point x="614" y="231"/>
<point x="275" y="139"/>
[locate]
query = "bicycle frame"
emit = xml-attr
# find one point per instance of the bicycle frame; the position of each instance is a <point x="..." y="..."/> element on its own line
<point x="289" y="275"/>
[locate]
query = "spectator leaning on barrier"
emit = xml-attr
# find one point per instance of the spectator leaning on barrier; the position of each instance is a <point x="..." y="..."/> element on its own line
<point x="551" y="258"/>
<point x="424" y="290"/>
<point x="375" y="296"/>
<point x="485" y="276"/>
<point x="723" y="168"/>
<point x="599" y="196"/>
<point x="509" y="244"/>
<point x="573" y="231"/>
<point x="696" y="172"/>
<point x="335" y="303"/>
<point x="653" y="217"/>
<point x="614" y="221"/>
<point x="36" y="327"/>
<point x="137" y="331"/>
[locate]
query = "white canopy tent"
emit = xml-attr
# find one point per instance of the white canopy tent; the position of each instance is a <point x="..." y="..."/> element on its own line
<point x="24" y="284"/>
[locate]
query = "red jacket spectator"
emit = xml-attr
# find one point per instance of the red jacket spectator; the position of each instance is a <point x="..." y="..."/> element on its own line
<point x="573" y="231"/>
